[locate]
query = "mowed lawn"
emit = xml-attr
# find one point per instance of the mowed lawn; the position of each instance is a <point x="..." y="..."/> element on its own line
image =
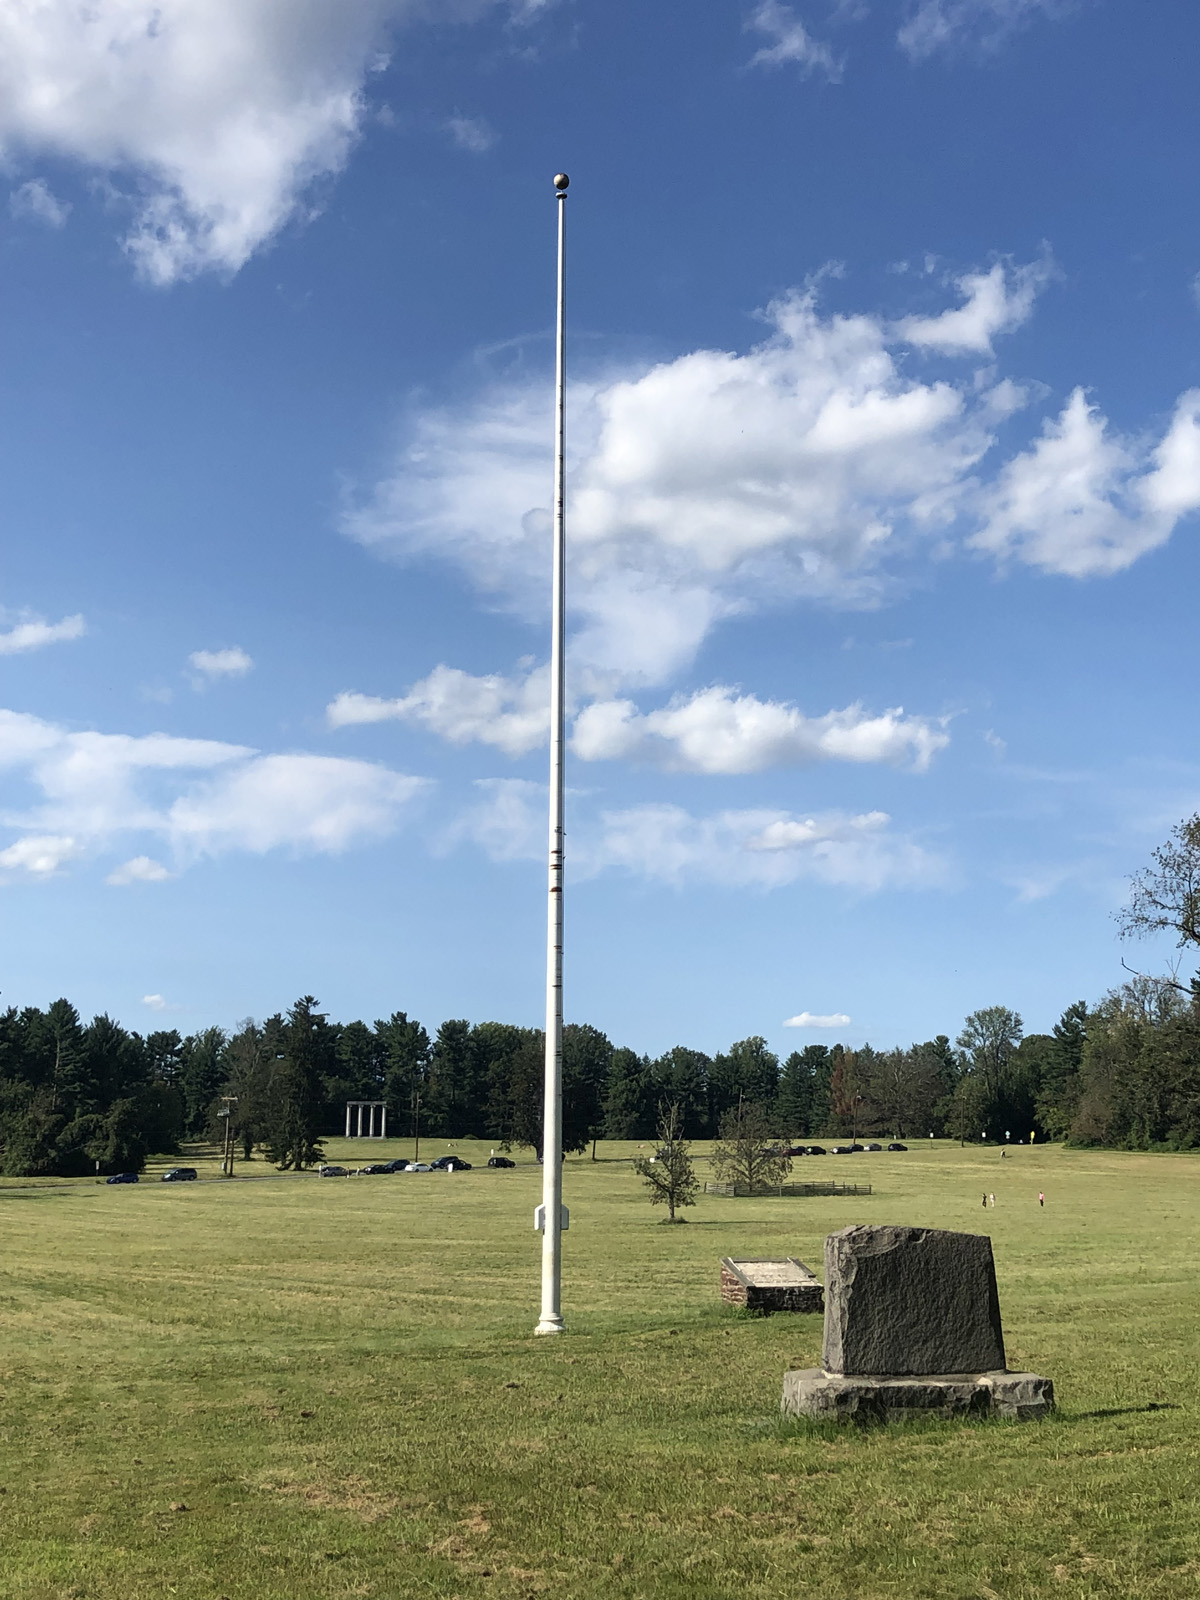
<point x="301" y="1387"/>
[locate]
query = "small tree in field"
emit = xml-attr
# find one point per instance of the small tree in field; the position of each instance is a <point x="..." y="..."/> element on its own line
<point x="668" y="1173"/>
<point x="745" y="1153"/>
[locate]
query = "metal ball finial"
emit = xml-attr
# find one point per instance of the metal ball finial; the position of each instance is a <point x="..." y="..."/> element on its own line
<point x="561" y="181"/>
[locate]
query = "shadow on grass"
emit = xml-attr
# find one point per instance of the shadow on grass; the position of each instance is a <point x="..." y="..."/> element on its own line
<point x="793" y="1429"/>
<point x="1122" y="1411"/>
<point x="45" y="1194"/>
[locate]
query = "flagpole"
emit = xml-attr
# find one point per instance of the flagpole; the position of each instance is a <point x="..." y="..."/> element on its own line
<point x="551" y="1210"/>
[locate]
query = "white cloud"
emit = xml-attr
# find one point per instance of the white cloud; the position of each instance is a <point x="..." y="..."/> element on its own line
<point x="948" y="24"/>
<point x="212" y="664"/>
<point x="815" y="1019"/>
<point x="995" y="302"/>
<point x="511" y="713"/>
<point x="792" y="44"/>
<point x="38" y="854"/>
<point x="700" y="487"/>
<point x="758" y="848"/>
<point x="761" y="848"/>
<point x="471" y="133"/>
<point x="305" y="802"/>
<point x="212" y="118"/>
<point x="815" y="466"/>
<point x="156" y="1002"/>
<point x="509" y="820"/>
<point x="1083" y="501"/>
<point x="141" y="869"/>
<point x="36" y="202"/>
<point x="719" y="731"/>
<point x="715" y="730"/>
<point x="33" y="633"/>
<point x="88" y="792"/>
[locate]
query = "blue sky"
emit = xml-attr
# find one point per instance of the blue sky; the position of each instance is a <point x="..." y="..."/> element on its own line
<point x="885" y="472"/>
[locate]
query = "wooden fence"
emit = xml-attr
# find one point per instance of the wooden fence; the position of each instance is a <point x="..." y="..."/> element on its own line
<point x="781" y="1191"/>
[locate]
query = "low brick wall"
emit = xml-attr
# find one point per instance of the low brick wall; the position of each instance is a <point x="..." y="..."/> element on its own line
<point x="767" y="1298"/>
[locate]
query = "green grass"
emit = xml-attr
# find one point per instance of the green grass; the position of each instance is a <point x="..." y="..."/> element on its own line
<point x="337" y="1380"/>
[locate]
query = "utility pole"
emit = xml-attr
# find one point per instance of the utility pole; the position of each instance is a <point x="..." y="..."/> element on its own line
<point x="549" y="1215"/>
<point x="416" y="1125"/>
<point x="228" y="1101"/>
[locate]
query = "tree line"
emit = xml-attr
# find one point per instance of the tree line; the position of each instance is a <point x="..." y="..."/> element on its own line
<point x="77" y="1098"/>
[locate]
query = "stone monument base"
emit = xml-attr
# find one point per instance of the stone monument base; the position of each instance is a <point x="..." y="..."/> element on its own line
<point x="834" y="1397"/>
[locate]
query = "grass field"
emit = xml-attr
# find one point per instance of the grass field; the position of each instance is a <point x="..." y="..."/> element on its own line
<point x="303" y="1387"/>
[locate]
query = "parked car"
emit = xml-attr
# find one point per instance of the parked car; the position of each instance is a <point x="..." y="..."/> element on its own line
<point x="418" y="1166"/>
<point x="375" y="1167"/>
<point x="846" y="1149"/>
<point x="179" y="1175"/>
<point x="874" y="1147"/>
<point x="795" y="1150"/>
<point x="332" y="1172"/>
<point x="817" y="1150"/>
<point x="500" y="1161"/>
<point x="450" y="1164"/>
<point x="397" y="1166"/>
<point x="122" y="1177"/>
<point x="897" y="1146"/>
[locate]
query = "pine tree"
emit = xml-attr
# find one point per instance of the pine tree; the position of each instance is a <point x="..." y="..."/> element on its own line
<point x="297" y="1088"/>
<point x="454" y="1089"/>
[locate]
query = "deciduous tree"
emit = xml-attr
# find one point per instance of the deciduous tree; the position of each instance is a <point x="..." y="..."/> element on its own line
<point x="668" y="1173"/>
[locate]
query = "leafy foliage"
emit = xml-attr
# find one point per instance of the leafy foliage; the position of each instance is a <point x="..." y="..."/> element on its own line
<point x="668" y="1173"/>
<point x="746" y="1153"/>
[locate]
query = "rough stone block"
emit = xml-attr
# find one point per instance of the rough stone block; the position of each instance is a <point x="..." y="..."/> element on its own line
<point x="838" y="1397"/>
<point x="910" y="1302"/>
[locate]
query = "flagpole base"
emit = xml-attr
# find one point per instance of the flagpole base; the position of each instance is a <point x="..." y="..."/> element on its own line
<point x="551" y="1323"/>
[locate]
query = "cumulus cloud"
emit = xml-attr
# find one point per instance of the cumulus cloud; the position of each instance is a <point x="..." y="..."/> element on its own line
<point x="982" y="24"/>
<point x="307" y="802"/>
<point x="994" y="302"/>
<point x="1084" y="502"/>
<point x="34" y="201"/>
<point x="718" y="730"/>
<point x="511" y="713"/>
<point x="212" y="118"/>
<point x="32" y="633"/>
<point x="89" y="792"/>
<point x="815" y="466"/>
<point x="141" y="869"/>
<point x="715" y="730"/>
<point x="39" y="855"/>
<point x="213" y="664"/>
<point x="753" y="848"/>
<point x="791" y="43"/>
<point x="700" y="488"/>
<point x="816" y="1019"/>
<point x="155" y="1002"/>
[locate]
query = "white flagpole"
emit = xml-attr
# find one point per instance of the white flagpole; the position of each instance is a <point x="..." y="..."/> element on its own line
<point x="551" y="1210"/>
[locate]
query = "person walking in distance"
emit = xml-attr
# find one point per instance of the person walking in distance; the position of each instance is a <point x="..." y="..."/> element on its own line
<point x="985" y="1202"/>
<point x="1041" y="1198"/>
<point x="992" y="1200"/>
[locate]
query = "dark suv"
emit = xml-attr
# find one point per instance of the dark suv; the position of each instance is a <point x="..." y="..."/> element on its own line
<point x="500" y="1161"/>
<point x="179" y="1175"/>
<point x="450" y="1164"/>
